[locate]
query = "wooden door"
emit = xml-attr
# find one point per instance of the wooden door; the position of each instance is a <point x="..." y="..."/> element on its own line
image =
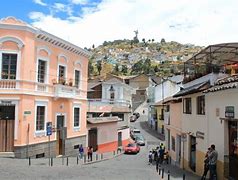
<point x="193" y="153"/>
<point x="60" y="137"/>
<point x="7" y="115"/>
<point x="92" y="138"/>
<point x="119" y="139"/>
<point x="233" y="150"/>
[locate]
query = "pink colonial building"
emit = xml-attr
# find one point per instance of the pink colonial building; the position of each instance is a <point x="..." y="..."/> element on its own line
<point x="43" y="79"/>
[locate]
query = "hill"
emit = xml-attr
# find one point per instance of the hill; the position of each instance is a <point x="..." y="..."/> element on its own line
<point x="127" y="57"/>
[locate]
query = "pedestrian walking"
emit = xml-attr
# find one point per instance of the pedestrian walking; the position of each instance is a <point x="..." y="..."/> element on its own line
<point x="81" y="151"/>
<point x="90" y="153"/>
<point x="161" y="154"/>
<point x="150" y="157"/>
<point x="212" y="156"/>
<point x="206" y="164"/>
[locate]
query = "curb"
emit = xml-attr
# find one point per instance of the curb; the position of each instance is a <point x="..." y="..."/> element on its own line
<point x="105" y="159"/>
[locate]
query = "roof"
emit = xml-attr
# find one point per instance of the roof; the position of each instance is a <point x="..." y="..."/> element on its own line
<point x="156" y="79"/>
<point x="92" y="85"/>
<point x="177" y="79"/>
<point x="193" y="89"/>
<point x="100" y="120"/>
<point x="218" y="54"/>
<point x="224" y="83"/>
<point x="160" y="103"/>
<point x="12" y="22"/>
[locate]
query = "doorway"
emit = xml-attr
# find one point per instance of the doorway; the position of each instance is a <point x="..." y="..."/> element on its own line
<point x="233" y="149"/>
<point x="178" y="150"/>
<point x="119" y="139"/>
<point x="7" y="120"/>
<point x="61" y="135"/>
<point x="193" y="153"/>
<point x="92" y="138"/>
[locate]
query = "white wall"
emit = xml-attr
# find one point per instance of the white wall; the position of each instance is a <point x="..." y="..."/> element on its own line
<point x="218" y="130"/>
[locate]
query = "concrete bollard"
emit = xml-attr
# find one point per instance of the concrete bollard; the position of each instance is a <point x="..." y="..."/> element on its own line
<point x="168" y="175"/>
<point x="84" y="157"/>
<point x="29" y="161"/>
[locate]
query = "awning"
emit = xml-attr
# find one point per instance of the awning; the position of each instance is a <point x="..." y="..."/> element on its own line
<point x="193" y="89"/>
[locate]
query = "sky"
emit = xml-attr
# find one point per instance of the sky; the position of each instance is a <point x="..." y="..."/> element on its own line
<point x="91" y="22"/>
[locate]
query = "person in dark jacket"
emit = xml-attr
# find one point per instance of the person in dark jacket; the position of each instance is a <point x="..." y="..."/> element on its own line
<point x="206" y="165"/>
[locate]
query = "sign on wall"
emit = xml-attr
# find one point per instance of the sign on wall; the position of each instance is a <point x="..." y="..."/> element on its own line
<point x="230" y="112"/>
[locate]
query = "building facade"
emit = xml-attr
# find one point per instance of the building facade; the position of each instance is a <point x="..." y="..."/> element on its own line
<point x="109" y="99"/>
<point x="43" y="81"/>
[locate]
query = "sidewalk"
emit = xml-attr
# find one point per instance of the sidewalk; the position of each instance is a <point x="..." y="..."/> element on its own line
<point x="144" y="125"/>
<point x="71" y="160"/>
<point x="176" y="173"/>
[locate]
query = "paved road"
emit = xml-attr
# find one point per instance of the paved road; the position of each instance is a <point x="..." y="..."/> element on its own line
<point x="123" y="167"/>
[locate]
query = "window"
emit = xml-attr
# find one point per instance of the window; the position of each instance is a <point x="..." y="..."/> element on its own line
<point x="41" y="71"/>
<point x="61" y="74"/>
<point x="77" y="78"/>
<point x="119" y="115"/>
<point x="40" y="118"/>
<point x="76" y="116"/>
<point x="9" y="66"/>
<point x="173" y="143"/>
<point x="201" y="105"/>
<point x="187" y="106"/>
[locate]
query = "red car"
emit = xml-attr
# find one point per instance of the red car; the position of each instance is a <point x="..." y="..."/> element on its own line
<point x="132" y="148"/>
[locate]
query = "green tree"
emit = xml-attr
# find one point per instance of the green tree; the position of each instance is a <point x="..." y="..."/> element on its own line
<point x="137" y="68"/>
<point x="90" y="68"/>
<point x="147" y="66"/>
<point x="124" y="69"/>
<point x="99" y="66"/>
<point x="116" y="70"/>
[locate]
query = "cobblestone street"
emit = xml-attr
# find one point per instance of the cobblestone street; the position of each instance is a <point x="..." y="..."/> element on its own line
<point x="121" y="167"/>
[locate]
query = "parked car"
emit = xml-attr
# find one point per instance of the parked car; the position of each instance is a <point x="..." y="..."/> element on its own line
<point x="132" y="148"/>
<point x="139" y="139"/>
<point x="136" y="114"/>
<point x="134" y="132"/>
<point x="133" y="118"/>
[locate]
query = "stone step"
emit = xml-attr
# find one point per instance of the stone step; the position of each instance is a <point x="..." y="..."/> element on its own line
<point x="7" y="154"/>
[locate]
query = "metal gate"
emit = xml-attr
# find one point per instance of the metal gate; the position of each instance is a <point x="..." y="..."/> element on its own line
<point x="7" y="116"/>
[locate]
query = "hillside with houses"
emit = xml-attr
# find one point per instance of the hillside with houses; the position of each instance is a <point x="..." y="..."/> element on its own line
<point x="132" y="57"/>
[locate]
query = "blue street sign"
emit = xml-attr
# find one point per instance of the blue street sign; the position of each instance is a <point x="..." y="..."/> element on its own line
<point x="49" y="128"/>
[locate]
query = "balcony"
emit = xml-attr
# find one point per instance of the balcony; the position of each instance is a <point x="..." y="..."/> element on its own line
<point x="107" y="105"/>
<point x="8" y="84"/>
<point x="64" y="91"/>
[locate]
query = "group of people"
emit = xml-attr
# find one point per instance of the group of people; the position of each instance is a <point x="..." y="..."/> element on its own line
<point x="89" y="152"/>
<point x="158" y="155"/>
<point x="210" y="162"/>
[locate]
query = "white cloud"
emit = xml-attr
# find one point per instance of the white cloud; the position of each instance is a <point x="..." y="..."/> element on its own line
<point x="199" y="22"/>
<point x="40" y="2"/>
<point x="59" y="7"/>
<point x="83" y="2"/>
